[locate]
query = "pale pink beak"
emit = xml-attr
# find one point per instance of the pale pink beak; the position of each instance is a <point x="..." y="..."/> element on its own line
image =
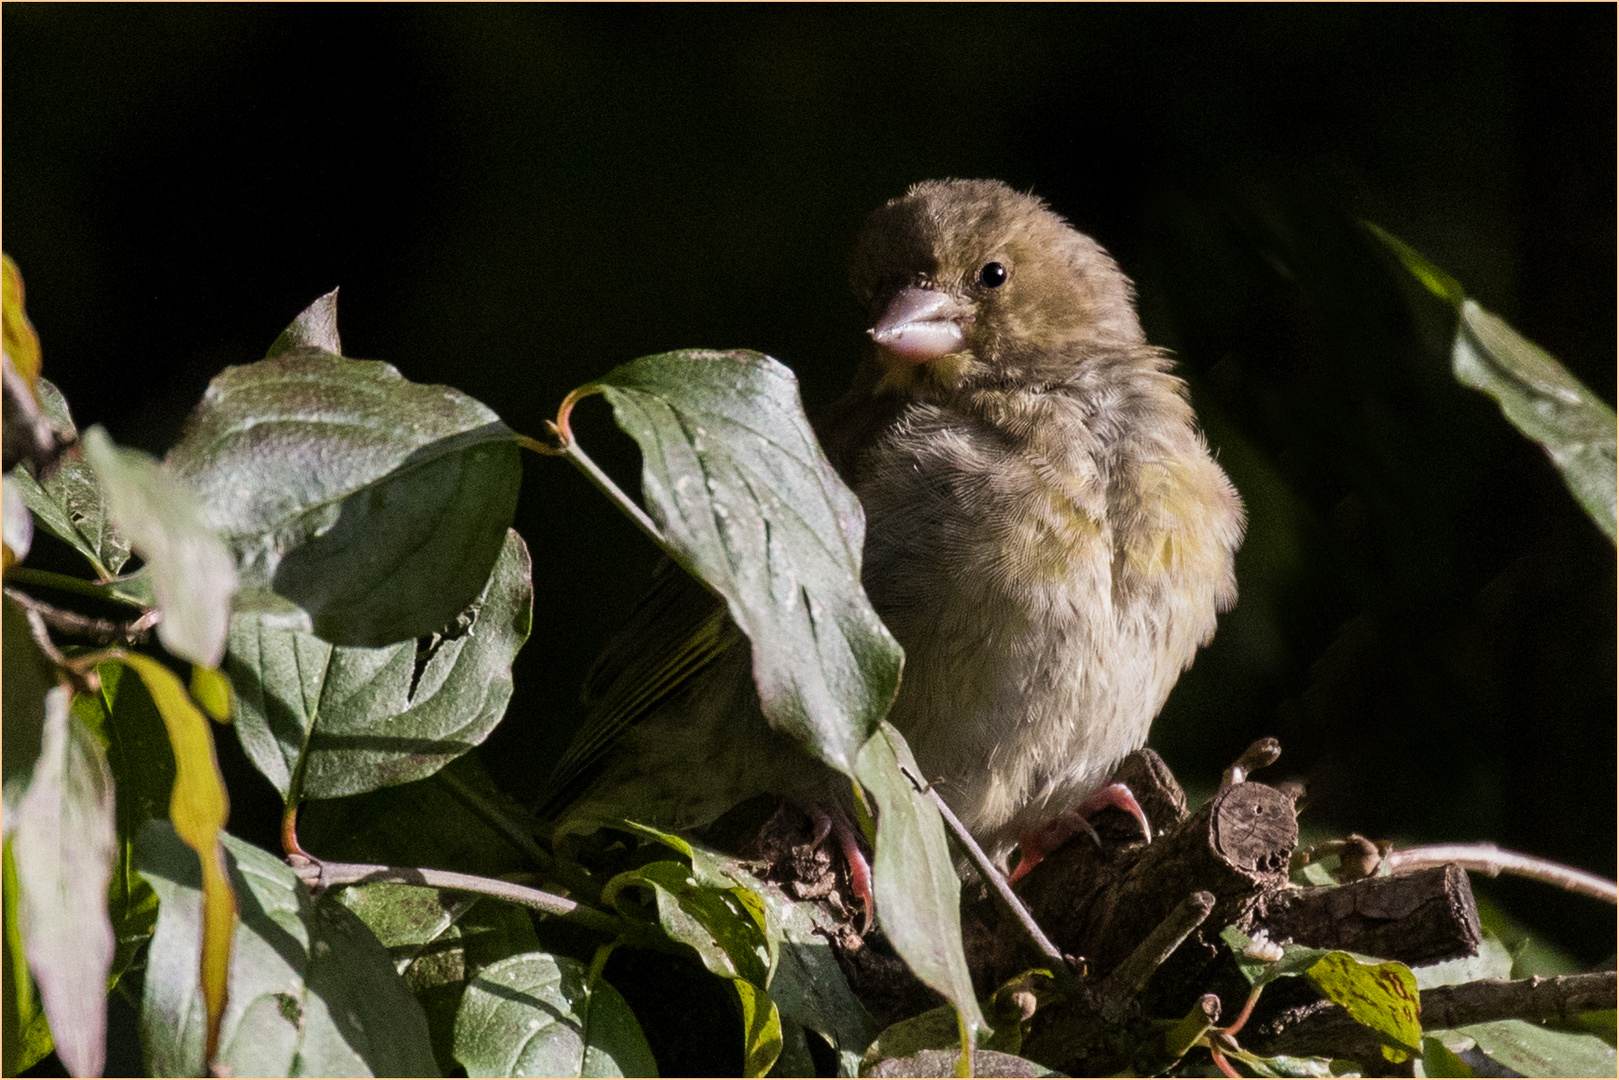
<point x="920" y="325"/>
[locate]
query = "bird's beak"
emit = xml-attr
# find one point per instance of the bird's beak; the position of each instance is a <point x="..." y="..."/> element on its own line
<point x="919" y="325"/>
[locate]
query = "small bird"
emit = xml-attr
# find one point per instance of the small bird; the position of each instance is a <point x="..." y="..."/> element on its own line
<point x="1047" y="536"/>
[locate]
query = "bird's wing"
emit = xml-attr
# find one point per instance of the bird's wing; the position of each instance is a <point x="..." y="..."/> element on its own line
<point x="676" y="630"/>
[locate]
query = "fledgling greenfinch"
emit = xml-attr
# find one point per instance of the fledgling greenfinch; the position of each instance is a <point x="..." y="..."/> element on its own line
<point x="1047" y="536"/>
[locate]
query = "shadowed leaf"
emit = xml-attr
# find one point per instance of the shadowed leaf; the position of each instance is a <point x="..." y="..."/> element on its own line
<point x="312" y="993"/>
<point x="358" y="504"/>
<point x="537" y="1015"/>
<point x="335" y="720"/>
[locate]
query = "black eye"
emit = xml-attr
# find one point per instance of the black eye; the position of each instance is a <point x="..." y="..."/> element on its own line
<point x="992" y="276"/>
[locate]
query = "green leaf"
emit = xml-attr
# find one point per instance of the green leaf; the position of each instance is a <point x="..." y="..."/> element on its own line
<point x="361" y="506"/>
<point x="748" y="503"/>
<point x="340" y="720"/>
<point x="191" y="571"/>
<point x="17" y="334"/>
<point x="212" y="690"/>
<point x="311" y="991"/>
<point x="1383" y="997"/>
<point x="69" y="502"/>
<point x="795" y="1058"/>
<point x="438" y="942"/>
<point x="538" y="1015"/>
<point x="64" y="845"/>
<point x="1288" y="1065"/>
<point x="1531" y="1050"/>
<point x="727" y="925"/>
<point x="1296" y="959"/>
<point x="198" y="808"/>
<point x="940" y="1029"/>
<point x="914" y="878"/>
<point x="1542" y="400"/>
<point x="26" y="676"/>
<point x="808" y="988"/>
<point x="1439" y="1060"/>
<point x="314" y="328"/>
<point x="1492" y="961"/>
<point x="943" y="1063"/>
<point x="142" y="766"/>
<point x="724" y="925"/>
<point x="1432" y="277"/>
<point x="761" y="1028"/>
<point x="25" y="1035"/>
<point x="1576" y="428"/>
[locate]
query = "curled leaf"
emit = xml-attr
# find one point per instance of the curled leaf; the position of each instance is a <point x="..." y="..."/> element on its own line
<point x="190" y="569"/>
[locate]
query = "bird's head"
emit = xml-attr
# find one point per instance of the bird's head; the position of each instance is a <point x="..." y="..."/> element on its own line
<point x="969" y="282"/>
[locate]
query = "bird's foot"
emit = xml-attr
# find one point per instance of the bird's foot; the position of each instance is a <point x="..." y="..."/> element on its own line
<point x="808" y="867"/>
<point x="1034" y="846"/>
<point x="859" y="870"/>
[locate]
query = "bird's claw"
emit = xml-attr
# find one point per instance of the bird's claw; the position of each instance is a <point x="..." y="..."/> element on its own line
<point x="1036" y="845"/>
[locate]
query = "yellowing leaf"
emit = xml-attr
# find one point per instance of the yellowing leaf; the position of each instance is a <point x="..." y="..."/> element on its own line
<point x="211" y="689"/>
<point x="21" y="343"/>
<point x="198" y="808"/>
<point x="1383" y="997"/>
<point x="761" y="1027"/>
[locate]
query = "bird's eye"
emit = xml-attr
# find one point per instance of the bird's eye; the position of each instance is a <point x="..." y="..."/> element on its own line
<point x="992" y="276"/>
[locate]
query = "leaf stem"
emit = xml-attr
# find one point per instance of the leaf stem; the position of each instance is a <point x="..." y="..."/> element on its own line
<point x="997" y="880"/>
<point x="27" y="575"/>
<point x="104" y="631"/>
<point x="321" y="875"/>
<point x="581" y="461"/>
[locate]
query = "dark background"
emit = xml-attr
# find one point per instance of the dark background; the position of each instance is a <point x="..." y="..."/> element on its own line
<point x="515" y="199"/>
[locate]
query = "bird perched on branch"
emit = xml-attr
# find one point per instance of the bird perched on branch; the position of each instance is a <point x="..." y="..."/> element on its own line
<point x="1046" y="535"/>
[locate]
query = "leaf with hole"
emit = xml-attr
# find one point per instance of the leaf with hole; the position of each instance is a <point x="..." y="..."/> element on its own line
<point x="327" y="720"/>
<point x="68" y="501"/>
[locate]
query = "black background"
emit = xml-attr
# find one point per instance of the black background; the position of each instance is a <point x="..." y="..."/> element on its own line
<point x="514" y="199"/>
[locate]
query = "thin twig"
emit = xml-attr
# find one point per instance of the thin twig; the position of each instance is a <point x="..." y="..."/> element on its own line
<point x="1060" y="964"/>
<point x="320" y="875"/>
<point x="1444" y="1007"/>
<point x="80" y="672"/>
<point x="1126" y="980"/>
<point x="1491" y="860"/>
<point x="1260" y="753"/>
<point x="103" y="631"/>
<point x="1537" y="999"/>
